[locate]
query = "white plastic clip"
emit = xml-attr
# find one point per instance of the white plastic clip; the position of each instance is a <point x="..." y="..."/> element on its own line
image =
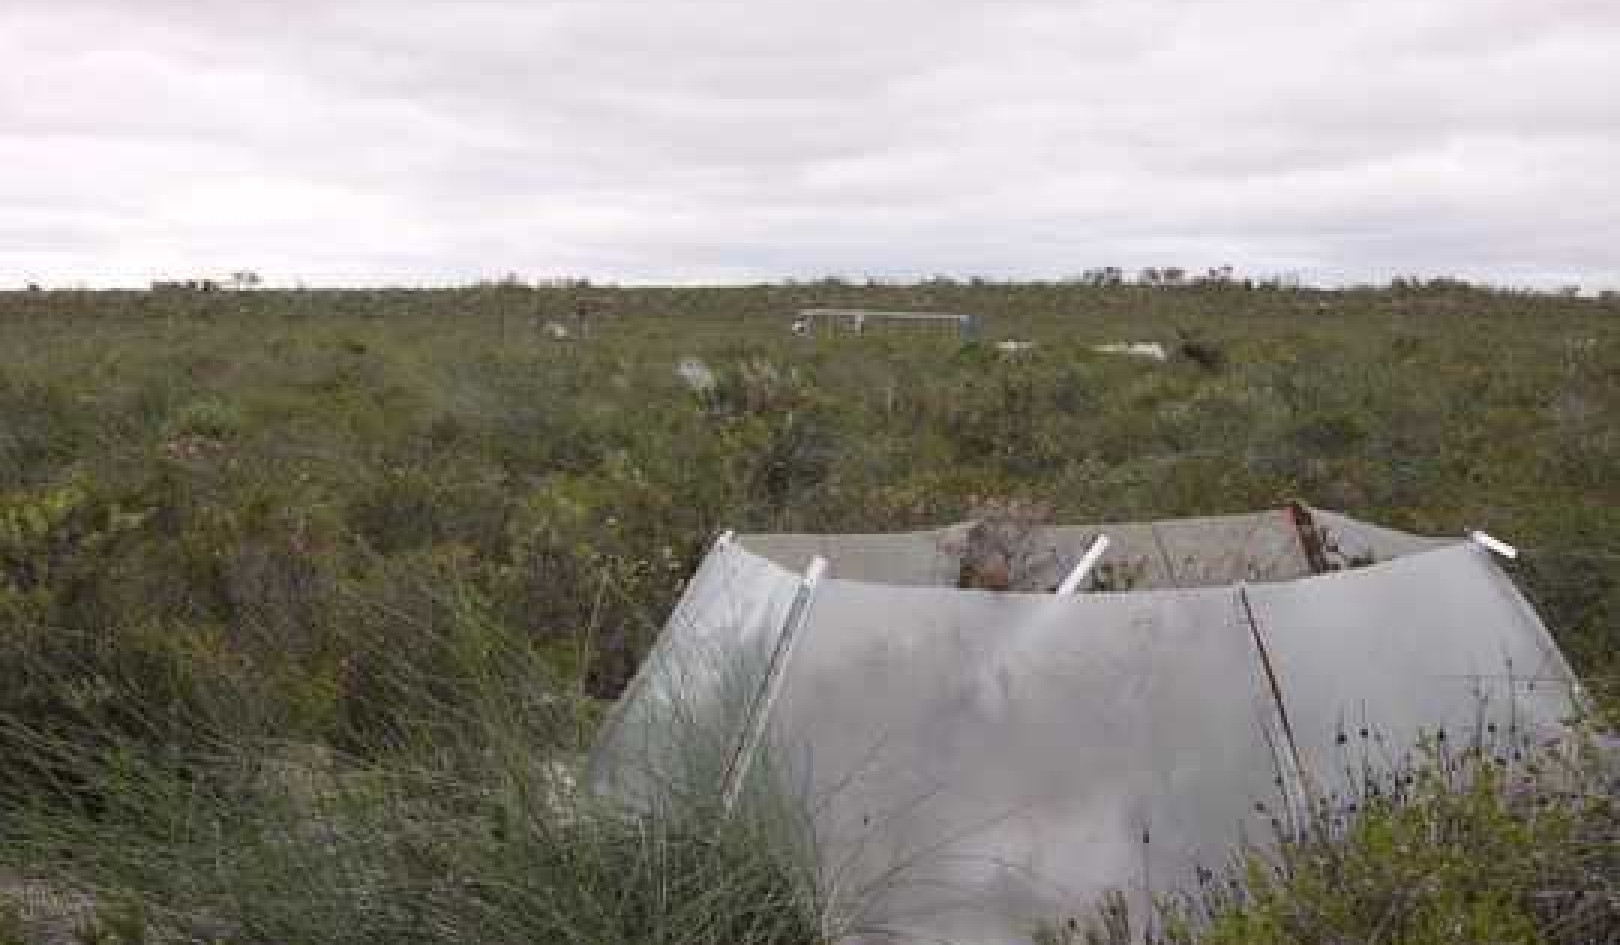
<point x="1089" y="560"/>
<point x="1494" y="545"/>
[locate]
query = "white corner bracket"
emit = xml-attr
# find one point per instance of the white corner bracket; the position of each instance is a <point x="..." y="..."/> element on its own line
<point x="759" y="712"/>
<point x="1493" y="545"/>
<point x="1082" y="570"/>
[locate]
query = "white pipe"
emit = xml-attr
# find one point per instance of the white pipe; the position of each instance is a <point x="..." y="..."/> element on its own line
<point x="1493" y="544"/>
<point x="1071" y="584"/>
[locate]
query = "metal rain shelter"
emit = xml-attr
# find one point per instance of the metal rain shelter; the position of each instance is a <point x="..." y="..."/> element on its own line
<point x="859" y="321"/>
<point x="979" y="764"/>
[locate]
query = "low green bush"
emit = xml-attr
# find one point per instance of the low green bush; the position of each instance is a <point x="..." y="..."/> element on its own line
<point x="1465" y="848"/>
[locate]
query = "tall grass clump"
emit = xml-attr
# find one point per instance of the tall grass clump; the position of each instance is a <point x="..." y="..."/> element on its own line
<point x="459" y="822"/>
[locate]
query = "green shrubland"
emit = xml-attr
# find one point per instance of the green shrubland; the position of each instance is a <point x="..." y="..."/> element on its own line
<point x="241" y="527"/>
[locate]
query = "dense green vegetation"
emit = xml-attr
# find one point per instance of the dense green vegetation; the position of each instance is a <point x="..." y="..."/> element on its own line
<point x="233" y="522"/>
<point x="1460" y="848"/>
<point x="1446" y="859"/>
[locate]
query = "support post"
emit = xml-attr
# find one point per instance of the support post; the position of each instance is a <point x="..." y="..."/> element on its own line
<point x="1310" y="537"/>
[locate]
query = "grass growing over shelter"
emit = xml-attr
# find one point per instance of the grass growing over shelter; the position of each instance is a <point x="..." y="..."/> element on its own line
<point x="1461" y="847"/>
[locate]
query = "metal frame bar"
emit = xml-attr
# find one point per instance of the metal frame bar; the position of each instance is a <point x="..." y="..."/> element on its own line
<point x="742" y="759"/>
<point x="1302" y="779"/>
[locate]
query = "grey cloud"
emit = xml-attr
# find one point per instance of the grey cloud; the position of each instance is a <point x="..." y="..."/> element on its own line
<point x="418" y="140"/>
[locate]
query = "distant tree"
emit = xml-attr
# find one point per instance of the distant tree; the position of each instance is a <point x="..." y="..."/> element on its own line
<point x="1102" y="276"/>
<point x="246" y="279"/>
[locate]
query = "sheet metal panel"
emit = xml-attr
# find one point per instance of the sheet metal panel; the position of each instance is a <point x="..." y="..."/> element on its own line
<point x="1209" y="551"/>
<point x="977" y="763"/>
<point x="1351" y="541"/>
<point x="1206" y="551"/>
<point x="1431" y="641"/>
<point x="904" y="558"/>
<point x="980" y="762"/>
<point x="672" y="733"/>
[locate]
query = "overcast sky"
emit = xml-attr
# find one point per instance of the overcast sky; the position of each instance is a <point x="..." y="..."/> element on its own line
<point x="430" y="141"/>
